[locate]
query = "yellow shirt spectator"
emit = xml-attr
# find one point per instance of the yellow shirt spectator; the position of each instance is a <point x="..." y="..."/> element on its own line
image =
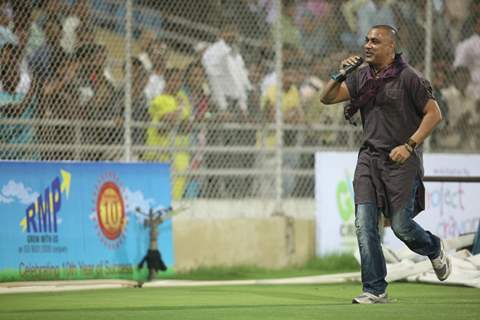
<point x="174" y="112"/>
<point x="290" y="107"/>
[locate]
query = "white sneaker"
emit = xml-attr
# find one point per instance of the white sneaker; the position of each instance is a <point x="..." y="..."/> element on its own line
<point x="442" y="265"/>
<point x="370" y="298"/>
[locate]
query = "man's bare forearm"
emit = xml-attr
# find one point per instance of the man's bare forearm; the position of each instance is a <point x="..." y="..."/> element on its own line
<point x="336" y="90"/>
<point x="431" y="119"/>
<point x="330" y="92"/>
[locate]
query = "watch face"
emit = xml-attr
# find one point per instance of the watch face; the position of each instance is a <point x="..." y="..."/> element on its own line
<point x="412" y="143"/>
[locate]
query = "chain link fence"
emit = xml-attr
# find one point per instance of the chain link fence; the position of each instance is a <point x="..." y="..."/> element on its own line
<point x="227" y="91"/>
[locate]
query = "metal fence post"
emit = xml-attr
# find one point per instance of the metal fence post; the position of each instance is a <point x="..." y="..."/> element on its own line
<point x="128" y="81"/>
<point x="278" y="104"/>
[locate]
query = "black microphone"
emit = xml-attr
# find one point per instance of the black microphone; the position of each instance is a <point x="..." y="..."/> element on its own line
<point x="350" y="67"/>
<point x="341" y="75"/>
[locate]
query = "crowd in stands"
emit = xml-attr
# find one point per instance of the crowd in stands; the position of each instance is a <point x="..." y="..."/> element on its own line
<point x="53" y="68"/>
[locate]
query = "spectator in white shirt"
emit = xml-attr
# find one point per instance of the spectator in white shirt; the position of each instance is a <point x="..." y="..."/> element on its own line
<point x="467" y="54"/>
<point x="226" y="72"/>
<point x="79" y="14"/>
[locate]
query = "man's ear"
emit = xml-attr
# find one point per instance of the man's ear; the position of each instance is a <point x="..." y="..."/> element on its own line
<point x="395" y="48"/>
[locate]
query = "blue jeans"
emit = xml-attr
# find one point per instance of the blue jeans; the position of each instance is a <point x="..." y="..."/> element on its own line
<point x="373" y="265"/>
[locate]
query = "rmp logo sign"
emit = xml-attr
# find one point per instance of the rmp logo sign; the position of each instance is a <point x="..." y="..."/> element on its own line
<point x="41" y="216"/>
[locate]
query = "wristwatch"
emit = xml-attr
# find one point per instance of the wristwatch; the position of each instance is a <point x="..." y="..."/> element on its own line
<point x="412" y="143"/>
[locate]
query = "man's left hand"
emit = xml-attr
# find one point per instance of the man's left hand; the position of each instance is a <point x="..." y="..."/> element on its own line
<point x="399" y="154"/>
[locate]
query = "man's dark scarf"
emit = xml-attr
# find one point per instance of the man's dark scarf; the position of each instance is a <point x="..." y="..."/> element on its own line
<point x="373" y="85"/>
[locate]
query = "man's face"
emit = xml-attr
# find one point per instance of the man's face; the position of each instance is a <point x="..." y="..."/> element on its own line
<point x="230" y="37"/>
<point x="379" y="46"/>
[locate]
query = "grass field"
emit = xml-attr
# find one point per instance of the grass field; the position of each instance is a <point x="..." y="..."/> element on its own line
<point x="408" y="301"/>
<point x="329" y="264"/>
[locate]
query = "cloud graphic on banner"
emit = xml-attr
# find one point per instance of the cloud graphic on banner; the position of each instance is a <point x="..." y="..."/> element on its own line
<point x="13" y="191"/>
<point x="136" y="199"/>
<point x="5" y="199"/>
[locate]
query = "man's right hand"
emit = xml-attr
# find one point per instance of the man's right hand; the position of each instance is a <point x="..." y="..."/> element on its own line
<point x="336" y="90"/>
<point x="349" y="61"/>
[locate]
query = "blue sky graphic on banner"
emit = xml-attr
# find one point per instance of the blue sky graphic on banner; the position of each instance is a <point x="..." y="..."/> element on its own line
<point x="80" y="215"/>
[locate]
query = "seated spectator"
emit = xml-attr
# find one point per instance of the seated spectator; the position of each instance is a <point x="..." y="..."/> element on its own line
<point x="37" y="32"/>
<point x="59" y="99"/>
<point x="92" y="59"/>
<point x="47" y="59"/>
<point x="17" y="101"/>
<point x="196" y="88"/>
<point x="250" y="16"/>
<point x="266" y="138"/>
<point x="226" y="73"/>
<point x="102" y="102"/>
<point x="170" y="114"/>
<point x="140" y="102"/>
<point x="315" y="111"/>
<point x="85" y="35"/>
<point x="290" y="24"/>
<point x="373" y="12"/>
<point x="461" y="103"/>
<point x="6" y="34"/>
<point x="78" y="15"/>
<point x="442" y="43"/>
<point x="325" y="31"/>
<point x="439" y="84"/>
<point x="289" y="54"/>
<point x="15" y="77"/>
<point x="467" y="29"/>
<point x="19" y="13"/>
<point x="228" y="79"/>
<point x="156" y="82"/>
<point x="292" y="110"/>
<point x="409" y="16"/>
<point x="257" y="71"/>
<point x="146" y="38"/>
<point x="467" y="54"/>
<point x="456" y="13"/>
<point x="474" y="128"/>
<point x="471" y="128"/>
